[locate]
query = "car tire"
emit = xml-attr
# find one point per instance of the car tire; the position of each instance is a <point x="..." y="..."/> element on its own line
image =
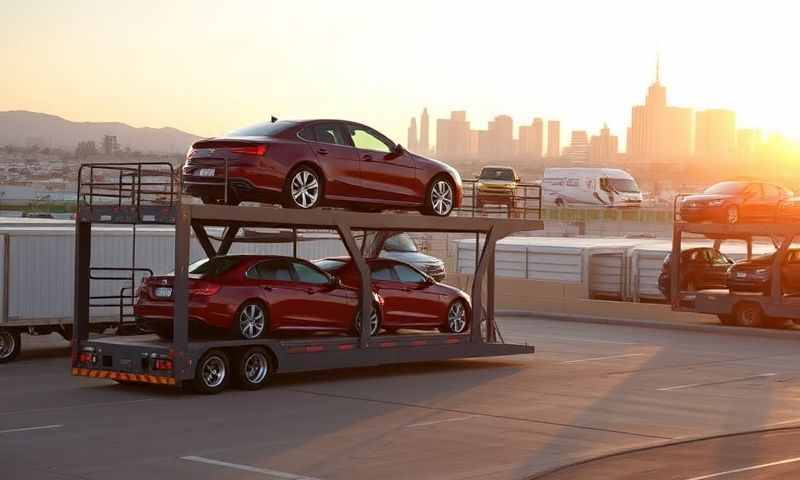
<point x="732" y="215"/>
<point x="727" y="319"/>
<point x="304" y="188"/>
<point x="375" y="322"/>
<point x="10" y="345"/>
<point x="440" y="197"/>
<point x="212" y="374"/>
<point x="251" y="320"/>
<point x="457" y="320"/>
<point x="749" y="315"/>
<point x="254" y="368"/>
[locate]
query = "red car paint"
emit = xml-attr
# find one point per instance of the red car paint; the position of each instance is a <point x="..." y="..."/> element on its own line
<point x="261" y="160"/>
<point x="328" y="304"/>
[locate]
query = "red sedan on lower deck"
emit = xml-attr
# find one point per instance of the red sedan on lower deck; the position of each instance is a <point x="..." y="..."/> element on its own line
<point x="253" y="296"/>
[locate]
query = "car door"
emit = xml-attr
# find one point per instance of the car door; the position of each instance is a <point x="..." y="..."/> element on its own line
<point x="421" y="303"/>
<point x="387" y="176"/>
<point x="325" y="305"/>
<point x="337" y="157"/>
<point x="754" y="207"/>
<point x="279" y="291"/>
<point x="385" y="283"/>
<point x="716" y="275"/>
<point x="773" y="196"/>
<point x="791" y="272"/>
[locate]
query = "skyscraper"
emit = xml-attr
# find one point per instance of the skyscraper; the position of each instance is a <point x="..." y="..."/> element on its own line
<point x="413" y="142"/>
<point x="604" y="147"/>
<point x="579" y="149"/>
<point x="453" y="135"/>
<point x="531" y="139"/>
<point x="715" y="134"/>
<point x="658" y="132"/>
<point x="424" y="139"/>
<point x="501" y="131"/>
<point x="553" y="139"/>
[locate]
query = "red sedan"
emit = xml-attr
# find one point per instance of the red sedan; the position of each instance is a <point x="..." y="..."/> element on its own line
<point x="305" y="164"/>
<point x="255" y="296"/>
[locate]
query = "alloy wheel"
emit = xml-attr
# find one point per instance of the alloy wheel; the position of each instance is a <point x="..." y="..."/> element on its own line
<point x="252" y="321"/>
<point x="214" y="371"/>
<point x="373" y="321"/>
<point x="305" y="189"/>
<point x="457" y="317"/>
<point x="256" y="367"/>
<point x="7" y="345"/>
<point x="442" y="197"/>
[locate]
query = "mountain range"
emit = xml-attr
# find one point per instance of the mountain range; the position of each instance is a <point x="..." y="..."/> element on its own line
<point x="22" y="128"/>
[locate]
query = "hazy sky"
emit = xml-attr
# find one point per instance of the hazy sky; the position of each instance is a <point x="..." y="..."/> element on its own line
<point x="210" y="66"/>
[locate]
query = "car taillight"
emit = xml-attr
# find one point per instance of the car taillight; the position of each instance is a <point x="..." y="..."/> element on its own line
<point x="86" y="357"/>
<point x="204" y="289"/>
<point x="258" y="150"/>
<point x="162" y="364"/>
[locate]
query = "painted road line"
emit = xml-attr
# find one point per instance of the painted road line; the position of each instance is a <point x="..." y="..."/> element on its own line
<point x="746" y="469"/>
<point x="784" y="422"/>
<point x="248" y="468"/>
<point x="610" y="357"/>
<point x="436" y="422"/>
<point x="28" y="429"/>
<point x="70" y="407"/>
<point x="720" y="382"/>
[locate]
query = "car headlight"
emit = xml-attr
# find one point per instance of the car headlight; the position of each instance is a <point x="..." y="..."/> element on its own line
<point x="479" y="185"/>
<point x="762" y="271"/>
<point x="715" y="203"/>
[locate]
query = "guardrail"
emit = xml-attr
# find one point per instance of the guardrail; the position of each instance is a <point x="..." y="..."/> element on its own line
<point x="127" y="184"/>
<point x="524" y="201"/>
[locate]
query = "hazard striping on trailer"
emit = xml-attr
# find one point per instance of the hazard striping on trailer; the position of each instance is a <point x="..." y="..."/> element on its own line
<point x="126" y="377"/>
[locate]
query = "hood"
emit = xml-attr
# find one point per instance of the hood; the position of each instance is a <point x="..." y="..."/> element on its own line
<point x="423" y="162"/>
<point x="500" y="183"/>
<point x="705" y="197"/>
<point x="759" y="261"/>
<point x="414" y="258"/>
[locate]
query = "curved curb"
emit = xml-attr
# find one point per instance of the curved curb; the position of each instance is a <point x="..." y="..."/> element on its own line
<point x="663" y="325"/>
<point x="668" y="443"/>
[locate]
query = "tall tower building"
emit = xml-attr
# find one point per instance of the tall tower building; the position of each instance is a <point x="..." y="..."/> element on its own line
<point x="604" y="147"/>
<point x="531" y="139"/>
<point x="424" y="133"/>
<point x="453" y="135"/>
<point x="553" y="139"/>
<point x="413" y="142"/>
<point x="579" y="149"/>
<point x="501" y="131"/>
<point x="715" y="134"/>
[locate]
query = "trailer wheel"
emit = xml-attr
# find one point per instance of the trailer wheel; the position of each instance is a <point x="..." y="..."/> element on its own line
<point x="10" y="345"/>
<point x="749" y="315"/>
<point x="254" y="368"/>
<point x="213" y="373"/>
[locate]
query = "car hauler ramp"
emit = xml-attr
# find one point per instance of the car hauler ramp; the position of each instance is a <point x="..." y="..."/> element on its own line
<point x="147" y="359"/>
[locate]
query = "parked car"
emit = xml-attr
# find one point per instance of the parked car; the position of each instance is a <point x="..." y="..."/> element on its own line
<point x="701" y="268"/>
<point x="734" y="202"/>
<point x="789" y="210"/>
<point x="496" y="186"/>
<point x="411" y="299"/>
<point x="401" y="247"/>
<point x="252" y="296"/>
<point x="305" y="164"/>
<point x="755" y="275"/>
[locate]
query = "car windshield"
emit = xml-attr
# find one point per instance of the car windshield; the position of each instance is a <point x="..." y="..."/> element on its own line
<point x="623" y="185"/>
<point x="216" y="266"/>
<point x="265" y="129"/>
<point x="330" y="264"/>
<point x="400" y="243"/>
<point x="726" y="188"/>
<point x="504" y="174"/>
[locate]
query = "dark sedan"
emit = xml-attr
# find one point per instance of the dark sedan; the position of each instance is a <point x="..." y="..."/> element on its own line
<point x="755" y="275"/>
<point x="734" y="202"/>
<point x="701" y="268"/>
<point x="305" y="164"/>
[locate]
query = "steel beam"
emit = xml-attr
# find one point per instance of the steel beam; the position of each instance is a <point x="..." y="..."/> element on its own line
<point x="227" y="239"/>
<point x="202" y="236"/>
<point x="346" y="233"/>
<point x="180" y="326"/>
<point x="477" y="283"/>
<point x="83" y="256"/>
<point x="675" y="268"/>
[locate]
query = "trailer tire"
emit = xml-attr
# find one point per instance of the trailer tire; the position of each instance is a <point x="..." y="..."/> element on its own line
<point x="213" y="373"/>
<point x="10" y="345"/>
<point x="254" y="368"/>
<point x="749" y="315"/>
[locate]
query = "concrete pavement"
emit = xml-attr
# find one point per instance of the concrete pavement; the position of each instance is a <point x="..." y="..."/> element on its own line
<point x="590" y="390"/>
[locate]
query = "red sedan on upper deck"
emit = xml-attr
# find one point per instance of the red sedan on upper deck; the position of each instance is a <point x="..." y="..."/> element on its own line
<point x="252" y="296"/>
<point x="305" y="164"/>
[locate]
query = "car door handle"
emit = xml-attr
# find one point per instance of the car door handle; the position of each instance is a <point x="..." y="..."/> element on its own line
<point x="367" y="158"/>
<point x="310" y="291"/>
<point x="269" y="289"/>
<point x="322" y="151"/>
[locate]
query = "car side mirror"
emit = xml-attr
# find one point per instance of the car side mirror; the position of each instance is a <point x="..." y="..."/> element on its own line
<point x="335" y="282"/>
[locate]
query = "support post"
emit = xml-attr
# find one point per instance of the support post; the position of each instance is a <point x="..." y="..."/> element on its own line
<point x="346" y="233"/>
<point x="180" y="326"/>
<point x="749" y="241"/>
<point x="778" y="260"/>
<point x="83" y="256"/>
<point x="477" y="284"/>
<point x="675" y="268"/>
<point x="491" y="333"/>
<point x="202" y="237"/>
<point x="227" y="240"/>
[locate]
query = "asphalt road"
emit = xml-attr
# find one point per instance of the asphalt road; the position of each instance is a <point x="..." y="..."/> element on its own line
<point x="590" y="390"/>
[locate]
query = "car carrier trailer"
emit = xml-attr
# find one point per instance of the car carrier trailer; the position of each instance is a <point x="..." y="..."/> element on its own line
<point x="210" y="364"/>
<point x="750" y="309"/>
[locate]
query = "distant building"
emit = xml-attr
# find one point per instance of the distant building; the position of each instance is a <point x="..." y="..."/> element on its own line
<point x="604" y="147"/>
<point x="715" y="134"/>
<point x="531" y="139"/>
<point x="424" y="133"/>
<point x="553" y="139"/>
<point x="501" y="137"/>
<point x="110" y="145"/>
<point x="658" y="132"/>
<point x="579" y="149"/>
<point x="453" y="135"/>
<point x="748" y="140"/>
<point x="413" y="142"/>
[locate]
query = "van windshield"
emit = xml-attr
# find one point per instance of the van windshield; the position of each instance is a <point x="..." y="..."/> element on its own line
<point x="625" y="185"/>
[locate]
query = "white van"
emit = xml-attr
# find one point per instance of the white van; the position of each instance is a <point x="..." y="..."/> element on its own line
<point x="605" y="187"/>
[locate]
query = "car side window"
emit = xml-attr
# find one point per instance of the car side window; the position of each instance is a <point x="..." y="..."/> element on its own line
<point x="754" y="189"/>
<point x="382" y="272"/>
<point x="794" y="257"/>
<point x="365" y="139"/>
<point x="307" y="274"/>
<point x="308" y="134"/>
<point x="717" y="258"/>
<point x="271" y="270"/>
<point x="771" y="192"/>
<point x="329" y="133"/>
<point x="408" y="275"/>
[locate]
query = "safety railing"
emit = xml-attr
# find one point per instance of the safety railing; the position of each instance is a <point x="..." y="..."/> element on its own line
<point x="127" y="184"/>
<point x="523" y="201"/>
<point x="126" y="298"/>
